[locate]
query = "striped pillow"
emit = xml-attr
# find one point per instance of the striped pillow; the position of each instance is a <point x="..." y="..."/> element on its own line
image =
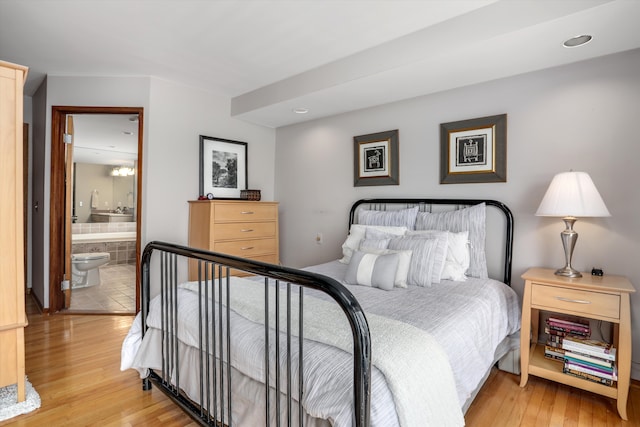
<point x="398" y="218"/>
<point x="470" y="219"/>
<point x="422" y="258"/>
<point x="375" y="270"/>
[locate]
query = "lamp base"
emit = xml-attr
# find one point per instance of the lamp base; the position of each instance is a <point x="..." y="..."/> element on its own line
<point x="567" y="271"/>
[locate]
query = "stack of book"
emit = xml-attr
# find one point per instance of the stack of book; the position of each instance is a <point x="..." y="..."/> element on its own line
<point x="557" y="328"/>
<point x="590" y="359"/>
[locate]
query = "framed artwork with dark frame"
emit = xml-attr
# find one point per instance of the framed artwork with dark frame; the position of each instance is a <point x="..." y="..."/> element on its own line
<point x="474" y="151"/>
<point x="376" y="159"/>
<point x="223" y="167"/>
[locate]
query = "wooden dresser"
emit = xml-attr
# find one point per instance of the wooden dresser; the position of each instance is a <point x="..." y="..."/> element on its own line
<point x="236" y="227"/>
<point x="12" y="305"/>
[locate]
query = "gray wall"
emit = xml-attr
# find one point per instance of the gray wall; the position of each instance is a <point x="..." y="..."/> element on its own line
<point x="582" y="117"/>
<point x="174" y="116"/>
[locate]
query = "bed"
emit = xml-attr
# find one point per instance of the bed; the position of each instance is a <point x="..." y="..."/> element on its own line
<point x="402" y="330"/>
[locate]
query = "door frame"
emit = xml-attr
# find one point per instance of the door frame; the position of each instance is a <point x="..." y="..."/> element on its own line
<point x="57" y="200"/>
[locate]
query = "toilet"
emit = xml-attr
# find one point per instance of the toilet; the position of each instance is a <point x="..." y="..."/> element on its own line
<point x="84" y="268"/>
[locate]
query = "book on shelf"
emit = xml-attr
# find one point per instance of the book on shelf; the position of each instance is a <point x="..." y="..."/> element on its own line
<point x="562" y="333"/>
<point x="555" y="339"/>
<point x="566" y="331"/>
<point x="609" y="370"/>
<point x="554" y="353"/>
<point x="589" y="347"/>
<point x="591" y="370"/>
<point x="566" y="324"/>
<point x="588" y="377"/>
<point x="589" y="359"/>
<point x="574" y="321"/>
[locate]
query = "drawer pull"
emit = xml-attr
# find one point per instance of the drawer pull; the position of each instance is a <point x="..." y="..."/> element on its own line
<point x="246" y="230"/>
<point x="246" y="213"/>
<point x="246" y="248"/>
<point x="577" y="301"/>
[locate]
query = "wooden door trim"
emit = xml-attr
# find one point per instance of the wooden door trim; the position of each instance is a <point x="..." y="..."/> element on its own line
<point x="57" y="199"/>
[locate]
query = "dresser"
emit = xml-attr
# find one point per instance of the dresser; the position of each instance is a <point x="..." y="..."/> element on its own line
<point x="241" y="228"/>
<point x="12" y="305"/>
<point x="603" y="298"/>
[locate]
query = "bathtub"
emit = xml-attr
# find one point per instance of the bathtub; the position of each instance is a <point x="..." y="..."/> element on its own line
<point x="118" y="236"/>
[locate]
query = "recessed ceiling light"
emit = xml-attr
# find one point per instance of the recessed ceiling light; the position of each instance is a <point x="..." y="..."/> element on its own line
<point x="577" y="41"/>
<point x="300" y="110"/>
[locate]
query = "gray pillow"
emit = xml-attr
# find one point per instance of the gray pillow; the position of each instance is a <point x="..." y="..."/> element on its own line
<point x="398" y="218"/>
<point x="470" y="219"/>
<point x="375" y="270"/>
<point x="422" y="258"/>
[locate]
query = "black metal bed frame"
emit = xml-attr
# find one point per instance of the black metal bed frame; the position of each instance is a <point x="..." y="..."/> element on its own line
<point x="214" y="272"/>
<point x="425" y="204"/>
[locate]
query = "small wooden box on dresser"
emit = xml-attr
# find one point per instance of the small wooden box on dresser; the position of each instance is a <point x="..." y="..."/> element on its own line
<point x="241" y="228"/>
<point x="603" y="298"/>
<point x="12" y="304"/>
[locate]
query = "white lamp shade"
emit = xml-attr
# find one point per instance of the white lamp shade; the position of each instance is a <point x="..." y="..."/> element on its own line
<point x="572" y="194"/>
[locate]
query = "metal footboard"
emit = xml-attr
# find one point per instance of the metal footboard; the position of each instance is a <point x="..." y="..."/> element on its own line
<point x="214" y="403"/>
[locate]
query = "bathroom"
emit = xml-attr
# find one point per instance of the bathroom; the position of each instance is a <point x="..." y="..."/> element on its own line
<point x="103" y="254"/>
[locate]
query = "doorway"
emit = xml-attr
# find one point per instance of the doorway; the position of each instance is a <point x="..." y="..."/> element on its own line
<point x="95" y="209"/>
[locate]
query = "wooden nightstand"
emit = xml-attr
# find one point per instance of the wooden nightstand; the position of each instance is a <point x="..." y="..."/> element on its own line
<point x="595" y="297"/>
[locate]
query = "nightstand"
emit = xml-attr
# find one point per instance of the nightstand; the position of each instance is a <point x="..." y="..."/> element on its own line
<point x="595" y="297"/>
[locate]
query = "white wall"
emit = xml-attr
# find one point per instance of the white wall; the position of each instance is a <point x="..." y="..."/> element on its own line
<point x="174" y="117"/>
<point x="582" y="117"/>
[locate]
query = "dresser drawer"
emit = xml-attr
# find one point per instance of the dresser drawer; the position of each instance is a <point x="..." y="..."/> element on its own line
<point x="247" y="248"/>
<point x="245" y="211"/>
<point x="587" y="302"/>
<point x="244" y="230"/>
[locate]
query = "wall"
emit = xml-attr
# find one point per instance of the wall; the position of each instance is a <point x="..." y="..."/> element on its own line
<point x="581" y="116"/>
<point x="177" y="117"/>
<point x="174" y="117"/>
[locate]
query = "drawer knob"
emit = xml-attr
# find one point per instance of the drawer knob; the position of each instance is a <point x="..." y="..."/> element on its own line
<point x="577" y="301"/>
<point x="246" y="213"/>
<point x="246" y="230"/>
<point x="246" y="248"/>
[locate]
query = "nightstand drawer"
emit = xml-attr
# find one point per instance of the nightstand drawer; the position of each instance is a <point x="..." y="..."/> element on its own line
<point x="587" y="302"/>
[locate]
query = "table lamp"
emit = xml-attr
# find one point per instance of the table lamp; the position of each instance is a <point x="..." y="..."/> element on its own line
<point x="571" y="195"/>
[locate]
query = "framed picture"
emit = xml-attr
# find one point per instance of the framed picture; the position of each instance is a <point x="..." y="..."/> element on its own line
<point x="223" y="167"/>
<point x="473" y="151"/>
<point x="376" y="159"/>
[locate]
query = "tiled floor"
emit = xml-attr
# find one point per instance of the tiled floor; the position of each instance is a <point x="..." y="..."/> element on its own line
<point x="116" y="292"/>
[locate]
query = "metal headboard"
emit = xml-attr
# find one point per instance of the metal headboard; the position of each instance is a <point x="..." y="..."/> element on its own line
<point x="425" y="205"/>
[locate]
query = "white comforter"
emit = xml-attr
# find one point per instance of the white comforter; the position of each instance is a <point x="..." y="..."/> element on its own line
<point x="464" y="339"/>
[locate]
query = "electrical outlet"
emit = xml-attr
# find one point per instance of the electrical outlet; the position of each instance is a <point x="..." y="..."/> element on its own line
<point x="319" y="238"/>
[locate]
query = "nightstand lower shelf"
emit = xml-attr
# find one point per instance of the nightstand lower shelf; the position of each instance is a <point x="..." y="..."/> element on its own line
<point x="604" y="298"/>
<point x="543" y="367"/>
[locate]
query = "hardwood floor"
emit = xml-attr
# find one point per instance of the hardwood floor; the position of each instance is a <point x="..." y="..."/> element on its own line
<point x="502" y="402"/>
<point x="73" y="361"/>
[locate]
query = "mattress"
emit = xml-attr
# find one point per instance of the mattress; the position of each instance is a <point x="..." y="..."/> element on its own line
<point x="468" y="320"/>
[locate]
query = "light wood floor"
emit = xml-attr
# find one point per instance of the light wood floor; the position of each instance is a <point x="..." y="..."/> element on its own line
<point x="73" y="361"/>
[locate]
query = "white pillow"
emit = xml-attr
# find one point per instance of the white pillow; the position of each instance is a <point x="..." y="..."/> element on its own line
<point x="422" y="258"/>
<point x="457" y="259"/>
<point x="373" y="244"/>
<point x="357" y="233"/>
<point x="404" y="262"/>
<point x="471" y="219"/>
<point x="397" y="218"/>
<point x="375" y="270"/>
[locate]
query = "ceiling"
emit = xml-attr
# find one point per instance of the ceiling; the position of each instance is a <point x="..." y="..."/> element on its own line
<point x="270" y="57"/>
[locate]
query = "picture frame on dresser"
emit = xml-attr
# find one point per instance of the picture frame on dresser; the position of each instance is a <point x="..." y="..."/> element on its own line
<point x="474" y="151"/>
<point x="223" y="167"/>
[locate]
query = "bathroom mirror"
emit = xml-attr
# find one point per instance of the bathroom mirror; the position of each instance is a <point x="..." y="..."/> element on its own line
<point x="105" y="163"/>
